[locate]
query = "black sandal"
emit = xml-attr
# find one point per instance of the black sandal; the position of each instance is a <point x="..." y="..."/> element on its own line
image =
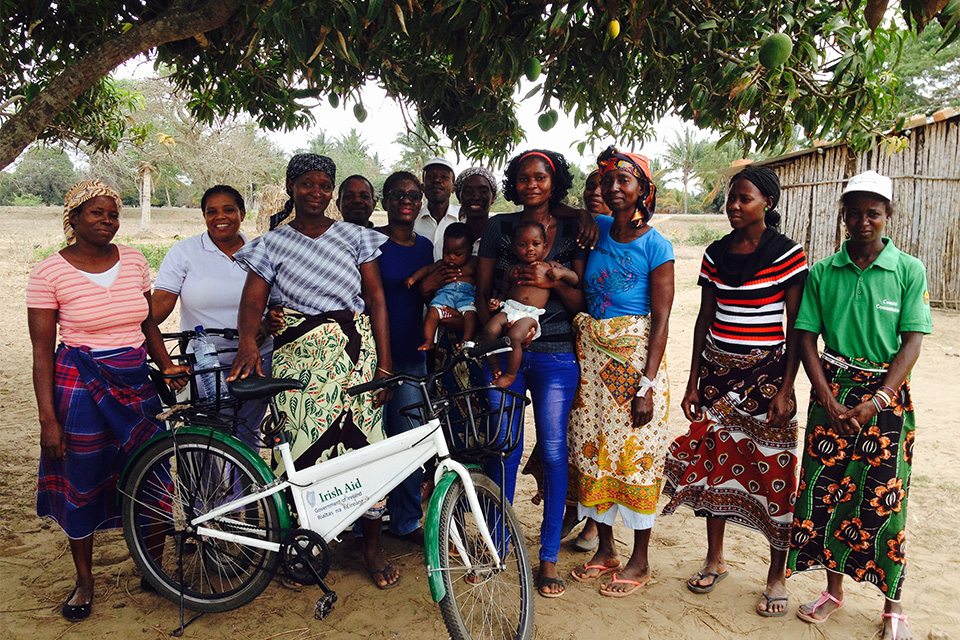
<point x="543" y="582"/>
<point x="76" y="612"/>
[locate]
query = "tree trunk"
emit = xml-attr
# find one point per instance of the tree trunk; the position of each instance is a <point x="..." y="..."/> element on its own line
<point x="146" y="191"/>
<point x="686" y="179"/>
<point x="23" y="128"/>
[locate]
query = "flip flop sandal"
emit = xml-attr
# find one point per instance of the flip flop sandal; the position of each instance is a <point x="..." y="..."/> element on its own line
<point x="707" y="588"/>
<point x="766" y="613"/>
<point x="895" y="619"/>
<point x="584" y="568"/>
<point x="825" y="596"/>
<point x="383" y="574"/>
<point x="545" y="582"/>
<point x="605" y="589"/>
<point x="583" y="545"/>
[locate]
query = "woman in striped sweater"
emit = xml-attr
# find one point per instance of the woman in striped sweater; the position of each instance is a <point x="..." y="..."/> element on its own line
<point x="737" y="463"/>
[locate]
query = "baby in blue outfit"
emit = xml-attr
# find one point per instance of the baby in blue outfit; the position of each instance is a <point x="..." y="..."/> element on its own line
<point x="456" y="298"/>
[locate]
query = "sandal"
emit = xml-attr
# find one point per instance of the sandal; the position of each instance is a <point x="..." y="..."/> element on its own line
<point x="766" y="613"/>
<point x="383" y="574"/>
<point x="825" y="596"/>
<point x="895" y="619"/>
<point x="584" y="545"/>
<point x="76" y="612"/>
<point x="543" y="582"/>
<point x="579" y="574"/>
<point x="705" y="588"/>
<point x="605" y="589"/>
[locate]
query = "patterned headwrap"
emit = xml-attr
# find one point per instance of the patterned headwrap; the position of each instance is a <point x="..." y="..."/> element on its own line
<point x="80" y="193"/>
<point x="475" y="171"/>
<point x="300" y="164"/>
<point x="639" y="166"/>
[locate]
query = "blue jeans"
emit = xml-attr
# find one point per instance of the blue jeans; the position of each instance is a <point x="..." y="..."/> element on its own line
<point x="551" y="379"/>
<point x="403" y="503"/>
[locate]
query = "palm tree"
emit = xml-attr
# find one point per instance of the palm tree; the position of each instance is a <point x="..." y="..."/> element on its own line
<point x="419" y="145"/>
<point x="683" y="155"/>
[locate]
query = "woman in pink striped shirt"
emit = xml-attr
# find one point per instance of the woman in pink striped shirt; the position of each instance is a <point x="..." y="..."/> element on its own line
<point x="95" y="399"/>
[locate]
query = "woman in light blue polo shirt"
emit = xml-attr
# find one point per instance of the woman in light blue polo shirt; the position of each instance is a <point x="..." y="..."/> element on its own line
<point x="201" y="273"/>
<point x="869" y="301"/>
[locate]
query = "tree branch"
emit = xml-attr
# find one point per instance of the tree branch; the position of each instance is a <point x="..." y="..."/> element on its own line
<point x="175" y="24"/>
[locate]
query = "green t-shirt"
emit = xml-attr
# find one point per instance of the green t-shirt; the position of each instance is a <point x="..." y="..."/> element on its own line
<point x="861" y="314"/>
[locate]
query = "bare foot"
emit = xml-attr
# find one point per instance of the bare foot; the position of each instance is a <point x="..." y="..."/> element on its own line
<point x="903" y="631"/>
<point x="504" y="380"/>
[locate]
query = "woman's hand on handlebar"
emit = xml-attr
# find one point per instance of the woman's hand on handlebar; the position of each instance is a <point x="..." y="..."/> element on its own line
<point x="383" y="396"/>
<point x="182" y="373"/>
<point x="247" y="361"/>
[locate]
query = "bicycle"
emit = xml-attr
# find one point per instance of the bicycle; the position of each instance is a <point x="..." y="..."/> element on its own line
<point x="208" y="524"/>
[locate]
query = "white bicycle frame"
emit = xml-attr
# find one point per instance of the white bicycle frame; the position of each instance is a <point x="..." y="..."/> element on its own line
<point x="329" y="496"/>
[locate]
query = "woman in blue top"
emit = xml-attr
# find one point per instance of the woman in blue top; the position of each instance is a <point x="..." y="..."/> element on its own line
<point x="618" y="426"/>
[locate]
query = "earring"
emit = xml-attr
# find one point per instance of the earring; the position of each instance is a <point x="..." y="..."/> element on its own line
<point x="765" y="209"/>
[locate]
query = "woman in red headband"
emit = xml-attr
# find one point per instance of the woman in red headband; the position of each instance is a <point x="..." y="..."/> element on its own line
<point x="538" y="181"/>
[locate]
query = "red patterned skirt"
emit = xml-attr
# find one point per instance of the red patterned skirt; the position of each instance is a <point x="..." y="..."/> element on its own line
<point x="730" y="464"/>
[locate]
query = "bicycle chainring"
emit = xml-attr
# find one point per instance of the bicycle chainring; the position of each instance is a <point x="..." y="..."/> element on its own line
<point x="302" y="549"/>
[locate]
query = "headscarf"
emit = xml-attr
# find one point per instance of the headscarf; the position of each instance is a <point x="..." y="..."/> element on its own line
<point x="300" y="164"/>
<point x="767" y="182"/>
<point x="77" y="195"/>
<point x="638" y="165"/>
<point x="475" y="171"/>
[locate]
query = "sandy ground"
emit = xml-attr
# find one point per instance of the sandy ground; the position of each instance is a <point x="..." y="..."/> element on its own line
<point x="36" y="572"/>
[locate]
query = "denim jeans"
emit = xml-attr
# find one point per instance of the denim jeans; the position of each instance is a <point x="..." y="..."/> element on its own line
<point x="403" y="503"/>
<point x="551" y="379"/>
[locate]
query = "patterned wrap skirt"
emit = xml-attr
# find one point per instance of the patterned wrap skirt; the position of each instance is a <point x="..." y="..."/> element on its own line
<point x="851" y="513"/>
<point x="106" y="404"/>
<point x="730" y="464"/>
<point x="328" y="353"/>
<point x="611" y="461"/>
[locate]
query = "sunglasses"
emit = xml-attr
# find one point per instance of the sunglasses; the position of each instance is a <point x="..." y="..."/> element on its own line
<point x="398" y="194"/>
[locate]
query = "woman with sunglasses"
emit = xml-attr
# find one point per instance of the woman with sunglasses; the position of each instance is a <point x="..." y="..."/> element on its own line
<point x="406" y="253"/>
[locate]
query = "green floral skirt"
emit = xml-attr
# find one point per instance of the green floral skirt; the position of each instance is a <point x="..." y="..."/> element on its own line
<point x="851" y="512"/>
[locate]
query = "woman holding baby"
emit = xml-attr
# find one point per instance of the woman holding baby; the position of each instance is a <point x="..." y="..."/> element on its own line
<point x="538" y="181"/>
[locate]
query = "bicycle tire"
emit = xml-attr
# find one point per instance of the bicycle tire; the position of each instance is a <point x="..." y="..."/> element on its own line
<point x="217" y="575"/>
<point x="485" y="602"/>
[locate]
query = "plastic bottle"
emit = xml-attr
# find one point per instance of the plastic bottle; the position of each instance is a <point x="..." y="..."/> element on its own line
<point x="205" y="352"/>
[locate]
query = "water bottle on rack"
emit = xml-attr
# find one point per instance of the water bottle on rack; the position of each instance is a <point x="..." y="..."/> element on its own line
<point x="205" y="353"/>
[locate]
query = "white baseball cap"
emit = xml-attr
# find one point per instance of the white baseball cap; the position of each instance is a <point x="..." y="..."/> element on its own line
<point x="870" y="182"/>
<point x="443" y="162"/>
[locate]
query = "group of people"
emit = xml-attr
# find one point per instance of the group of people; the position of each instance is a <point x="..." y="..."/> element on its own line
<point x="586" y="296"/>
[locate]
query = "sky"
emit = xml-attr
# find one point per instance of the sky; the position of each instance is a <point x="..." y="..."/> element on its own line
<point x="385" y="121"/>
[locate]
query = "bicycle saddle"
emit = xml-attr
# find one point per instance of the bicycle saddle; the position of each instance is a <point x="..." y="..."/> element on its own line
<point x="254" y="388"/>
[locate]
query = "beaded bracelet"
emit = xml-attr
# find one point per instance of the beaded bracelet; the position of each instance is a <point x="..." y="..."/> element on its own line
<point x="893" y="392"/>
<point x="876" y="403"/>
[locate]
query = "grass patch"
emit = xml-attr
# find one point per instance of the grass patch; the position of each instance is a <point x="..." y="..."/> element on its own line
<point x="701" y="234"/>
<point x="152" y="252"/>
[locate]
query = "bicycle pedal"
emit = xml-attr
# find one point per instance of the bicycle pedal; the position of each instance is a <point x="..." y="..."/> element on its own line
<point x="324" y="605"/>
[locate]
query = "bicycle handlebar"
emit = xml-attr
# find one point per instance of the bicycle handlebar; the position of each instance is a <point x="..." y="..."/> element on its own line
<point x="468" y="352"/>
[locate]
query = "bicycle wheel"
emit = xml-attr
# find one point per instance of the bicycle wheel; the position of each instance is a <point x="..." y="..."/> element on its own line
<point x="171" y="483"/>
<point x="484" y="601"/>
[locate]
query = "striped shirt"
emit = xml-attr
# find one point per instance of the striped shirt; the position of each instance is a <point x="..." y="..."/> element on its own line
<point x="751" y="298"/>
<point x="313" y="275"/>
<point x="89" y="314"/>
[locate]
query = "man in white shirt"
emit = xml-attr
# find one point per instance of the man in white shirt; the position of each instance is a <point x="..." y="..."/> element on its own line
<point x="437" y="213"/>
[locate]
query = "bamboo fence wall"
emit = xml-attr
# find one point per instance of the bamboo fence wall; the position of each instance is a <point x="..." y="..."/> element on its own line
<point x="926" y="188"/>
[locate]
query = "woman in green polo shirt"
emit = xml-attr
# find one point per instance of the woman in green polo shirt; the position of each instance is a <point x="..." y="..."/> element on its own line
<point x="869" y="301"/>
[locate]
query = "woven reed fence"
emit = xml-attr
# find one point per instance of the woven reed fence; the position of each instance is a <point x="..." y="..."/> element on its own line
<point x="926" y="188"/>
